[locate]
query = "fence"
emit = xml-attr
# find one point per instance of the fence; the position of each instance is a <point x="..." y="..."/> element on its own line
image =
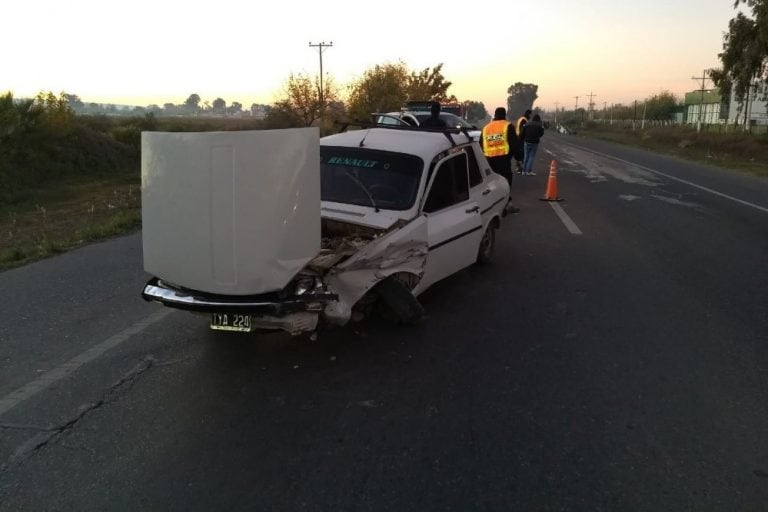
<point x="755" y="129"/>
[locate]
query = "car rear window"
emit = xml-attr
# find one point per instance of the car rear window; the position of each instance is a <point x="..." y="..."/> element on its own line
<point x="366" y="177"/>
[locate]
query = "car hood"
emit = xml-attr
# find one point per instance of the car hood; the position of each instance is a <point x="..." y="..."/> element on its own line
<point x="233" y="213"/>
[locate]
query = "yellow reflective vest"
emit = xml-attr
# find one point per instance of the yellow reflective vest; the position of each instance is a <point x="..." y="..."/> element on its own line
<point x="496" y="138"/>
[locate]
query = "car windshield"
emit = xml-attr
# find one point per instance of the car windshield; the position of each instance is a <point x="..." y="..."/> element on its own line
<point x="450" y="119"/>
<point x="369" y="177"/>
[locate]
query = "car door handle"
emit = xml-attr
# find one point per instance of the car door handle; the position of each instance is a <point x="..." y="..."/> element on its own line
<point x="486" y="191"/>
<point x="473" y="210"/>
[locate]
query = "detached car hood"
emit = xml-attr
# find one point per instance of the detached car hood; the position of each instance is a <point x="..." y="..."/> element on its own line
<point x="231" y="213"/>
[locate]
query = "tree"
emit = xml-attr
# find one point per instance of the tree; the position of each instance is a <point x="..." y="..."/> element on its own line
<point x="520" y="98"/>
<point x="382" y="88"/>
<point x="475" y="112"/>
<point x="219" y="106"/>
<point x="73" y="100"/>
<point x="300" y="104"/>
<point x="235" y="108"/>
<point x="55" y="110"/>
<point x="745" y="51"/>
<point x="192" y="103"/>
<point x="661" y="106"/>
<point x="429" y="84"/>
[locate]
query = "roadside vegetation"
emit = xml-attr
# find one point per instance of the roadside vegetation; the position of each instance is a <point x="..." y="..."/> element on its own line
<point x="67" y="180"/>
<point x="734" y="149"/>
<point x="70" y="171"/>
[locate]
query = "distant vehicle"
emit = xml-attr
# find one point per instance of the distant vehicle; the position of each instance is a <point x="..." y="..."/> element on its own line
<point x="406" y="117"/>
<point x="454" y="108"/>
<point x="277" y="229"/>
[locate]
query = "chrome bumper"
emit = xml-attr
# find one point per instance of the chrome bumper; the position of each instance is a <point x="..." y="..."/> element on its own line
<point x="268" y="304"/>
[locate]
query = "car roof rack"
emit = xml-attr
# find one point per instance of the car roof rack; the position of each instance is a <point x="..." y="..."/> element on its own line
<point x="371" y="124"/>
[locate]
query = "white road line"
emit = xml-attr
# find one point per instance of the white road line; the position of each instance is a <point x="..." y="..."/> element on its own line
<point x="14" y="398"/>
<point x="674" y="178"/>
<point x="569" y="224"/>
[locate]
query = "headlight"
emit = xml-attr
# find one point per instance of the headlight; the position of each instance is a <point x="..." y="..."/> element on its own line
<point x="307" y="284"/>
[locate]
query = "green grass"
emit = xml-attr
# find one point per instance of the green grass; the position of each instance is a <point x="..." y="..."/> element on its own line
<point x="60" y="216"/>
<point x="735" y="151"/>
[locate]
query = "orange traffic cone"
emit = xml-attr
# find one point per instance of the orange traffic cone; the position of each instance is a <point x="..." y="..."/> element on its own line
<point x="551" y="194"/>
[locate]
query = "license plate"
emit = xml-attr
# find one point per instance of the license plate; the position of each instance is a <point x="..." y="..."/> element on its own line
<point x="230" y="322"/>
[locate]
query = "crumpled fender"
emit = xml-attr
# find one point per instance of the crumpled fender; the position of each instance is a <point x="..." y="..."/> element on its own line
<point x="402" y="250"/>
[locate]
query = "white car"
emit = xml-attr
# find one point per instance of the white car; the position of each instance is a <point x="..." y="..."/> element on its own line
<point x="415" y="118"/>
<point x="279" y="229"/>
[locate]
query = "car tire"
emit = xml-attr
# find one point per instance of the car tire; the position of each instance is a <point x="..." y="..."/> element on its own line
<point x="487" y="244"/>
<point x="397" y="303"/>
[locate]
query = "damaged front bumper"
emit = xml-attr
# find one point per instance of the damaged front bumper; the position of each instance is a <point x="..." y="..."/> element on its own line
<point x="291" y="313"/>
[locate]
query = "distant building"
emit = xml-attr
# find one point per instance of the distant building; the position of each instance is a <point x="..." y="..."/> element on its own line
<point x="712" y="108"/>
<point x="703" y="107"/>
<point x="755" y="107"/>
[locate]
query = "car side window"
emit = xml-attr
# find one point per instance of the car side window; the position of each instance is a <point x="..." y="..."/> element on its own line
<point x="475" y="176"/>
<point x="450" y="185"/>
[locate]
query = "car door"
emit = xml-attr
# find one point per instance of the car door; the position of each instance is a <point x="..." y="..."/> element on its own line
<point x="454" y="224"/>
<point x="482" y="189"/>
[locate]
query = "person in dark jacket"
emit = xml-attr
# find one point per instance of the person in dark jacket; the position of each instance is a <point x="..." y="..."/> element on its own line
<point x="532" y="132"/>
<point x="434" y="120"/>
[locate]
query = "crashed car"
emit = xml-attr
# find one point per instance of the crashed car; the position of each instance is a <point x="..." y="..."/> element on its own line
<point x="279" y="229"/>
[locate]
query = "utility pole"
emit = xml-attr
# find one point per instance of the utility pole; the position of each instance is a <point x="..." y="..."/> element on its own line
<point x="322" y="45"/>
<point x="634" y="116"/>
<point x="591" y="105"/>
<point x="557" y="104"/>
<point x="703" y="79"/>
<point x="748" y="106"/>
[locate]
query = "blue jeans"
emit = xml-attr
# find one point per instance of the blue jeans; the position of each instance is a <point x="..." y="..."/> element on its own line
<point x="530" y="154"/>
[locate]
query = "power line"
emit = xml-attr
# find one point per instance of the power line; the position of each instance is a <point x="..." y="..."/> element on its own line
<point x="321" y="46"/>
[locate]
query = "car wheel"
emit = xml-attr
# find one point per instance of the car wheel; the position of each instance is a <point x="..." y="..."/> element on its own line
<point x="487" y="244"/>
<point x="397" y="303"/>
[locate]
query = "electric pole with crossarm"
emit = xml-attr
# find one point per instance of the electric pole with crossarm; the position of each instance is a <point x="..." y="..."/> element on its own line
<point x="322" y="45"/>
<point x="703" y="79"/>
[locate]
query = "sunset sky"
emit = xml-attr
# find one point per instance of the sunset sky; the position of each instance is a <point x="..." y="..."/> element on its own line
<point x="161" y="51"/>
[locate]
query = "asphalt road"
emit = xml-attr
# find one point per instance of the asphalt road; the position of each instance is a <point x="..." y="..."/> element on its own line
<point x="613" y="357"/>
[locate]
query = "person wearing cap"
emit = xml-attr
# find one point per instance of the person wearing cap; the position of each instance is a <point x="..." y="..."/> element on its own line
<point x="434" y="120"/>
<point x="498" y="141"/>
<point x="519" y="151"/>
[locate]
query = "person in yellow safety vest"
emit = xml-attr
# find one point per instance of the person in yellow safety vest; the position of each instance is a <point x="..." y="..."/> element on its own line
<point x="519" y="150"/>
<point x="498" y="141"/>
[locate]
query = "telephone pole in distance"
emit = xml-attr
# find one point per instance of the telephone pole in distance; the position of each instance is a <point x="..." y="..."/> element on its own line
<point x="321" y="46"/>
<point x="703" y="79"/>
